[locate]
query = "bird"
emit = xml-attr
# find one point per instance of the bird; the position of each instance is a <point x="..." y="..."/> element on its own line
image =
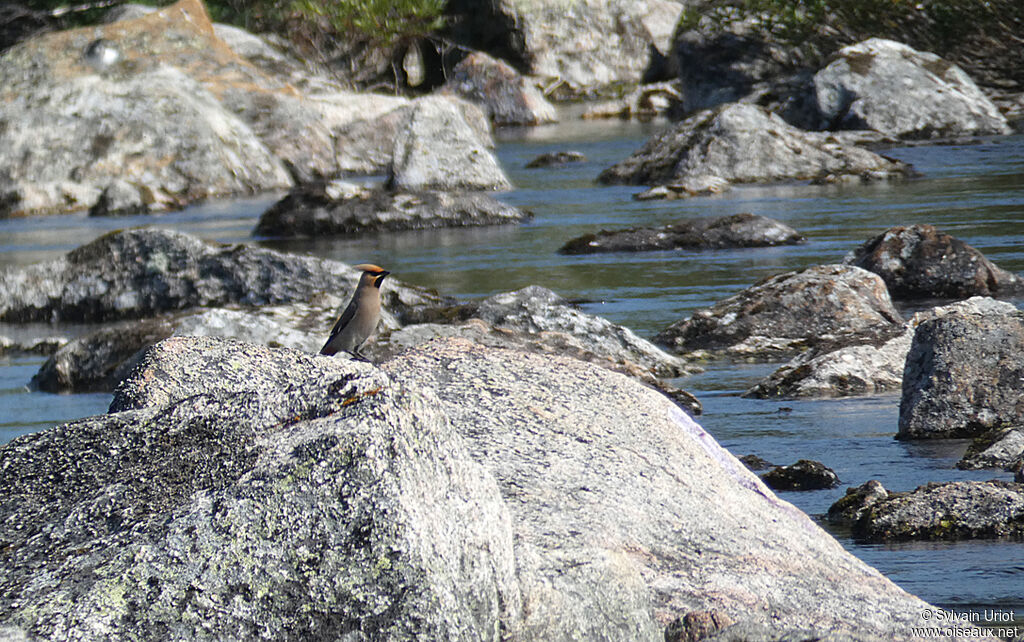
<point x="359" y="320"/>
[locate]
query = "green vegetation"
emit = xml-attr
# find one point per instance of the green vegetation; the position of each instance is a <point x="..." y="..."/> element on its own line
<point x="983" y="35"/>
<point x="385" y="23"/>
<point x="938" y="24"/>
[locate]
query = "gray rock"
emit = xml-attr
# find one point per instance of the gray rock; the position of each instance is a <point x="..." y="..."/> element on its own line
<point x="437" y="149"/>
<point x="1001" y="447"/>
<point x="141" y="272"/>
<point x="746" y="144"/>
<point x="891" y="88"/>
<point x="873" y="364"/>
<point x="500" y="91"/>
<point x="239" y="492"/>
<point x="59" y="143"/>
<point x="590" y="465"/>
<point x="537" y="310"/>
<point x="120" y="198"/>
<point x="963" y="376"/>
<point x="788" y="313"/>
<point x="920" y="262"/>
<point x="803" y="475"/>
<point x="555" y="159"/>
<point x="646" y="102"/>
<point x="324" y="209"/>
<point x="585" y="347"/>
<point x="738" y="230"/>
<point x="579" y="48"/>
<point x="935" y="511"/>
<point x="685" y="188"/>
<point x="100" y="360"/>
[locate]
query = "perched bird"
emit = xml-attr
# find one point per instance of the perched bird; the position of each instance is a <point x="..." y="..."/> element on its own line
<point x="360" y="317"/>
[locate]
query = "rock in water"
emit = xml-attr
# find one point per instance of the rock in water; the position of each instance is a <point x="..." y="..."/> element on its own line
<point x="920" y="262"/>
<point x="738" y="230"/>
<point x="963" y="376"/>
<point x="505" y="96"/>
<point x="788" y="313"/>
<point x="743" y="143"/>
<point x="896" y="90"/>
<point x="437" y="149"/>
<point x="339" y="208"/>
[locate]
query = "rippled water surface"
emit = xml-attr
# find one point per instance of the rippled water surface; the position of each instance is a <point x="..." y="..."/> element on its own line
<point x="975" y="192"/>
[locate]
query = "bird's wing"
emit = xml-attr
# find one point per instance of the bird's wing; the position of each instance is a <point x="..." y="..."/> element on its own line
<point x="343" y="321"/>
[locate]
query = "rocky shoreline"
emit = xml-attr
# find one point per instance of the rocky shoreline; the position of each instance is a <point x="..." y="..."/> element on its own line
<point x="506" y="469"/>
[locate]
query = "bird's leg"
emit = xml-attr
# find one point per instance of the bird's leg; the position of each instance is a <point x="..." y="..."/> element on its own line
<point x="357" y="355"/>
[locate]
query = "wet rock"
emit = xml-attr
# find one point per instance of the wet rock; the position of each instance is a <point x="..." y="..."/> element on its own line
<point x="545" y="342"/>
<point x="233" y="474"/>
<point x="935" y="511"/>
<point x="686" y="188"/>
<point x="142" y="272"/>
<point x="505" y="96"/>
<point x="788" y="313"/>
<point x="746" y="144"/>
<point x="738" y="230"/>
<point x="857" y="502"/>
<point x="58" y="146"/>
<point x="1001" y="447"/>
<point x="644" y="103"/>
<point x="803" y="475"/>
<point x="324" y="209"/>
<point x="920" y="262"/>
<point x="935" y="99"/>
<point x="537" y="310"/>
<point x="578" y="49"/>
<point x="871" y="365"/>
<point x="437" y="149"/>
<point x="99" y="361"/>
<point x="552" y="159"/>
<point x="754" y="462"/>
<point x="963" y="376"/>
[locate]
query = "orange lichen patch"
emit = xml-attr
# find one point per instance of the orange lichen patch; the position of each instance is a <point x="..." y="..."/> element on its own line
<point x="180" y="35"/>
<point x="369" y="393"/>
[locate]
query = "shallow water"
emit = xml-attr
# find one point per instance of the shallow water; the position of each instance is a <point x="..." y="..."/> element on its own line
<point x="975" y="192"/>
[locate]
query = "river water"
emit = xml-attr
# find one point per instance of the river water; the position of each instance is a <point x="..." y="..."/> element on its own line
<point x="975" y="192"/>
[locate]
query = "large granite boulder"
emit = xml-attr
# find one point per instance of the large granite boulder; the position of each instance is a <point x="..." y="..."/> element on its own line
<point x="586" y="346"/>
<point x="788" y="313"/>
<point x="738" y="230"/>
<point x="436" y="148"/>
<point x="920" y="262"/>
<point x="59" y="99"/>
<point x="871" y="365"/>
<point x="578" y="48"/>
<point x="935" y="511"/>
<point x="134" y="273"/>
<point x="963" y="376"/>
<point x="462" y="492"/>
<point x="892" y="88"/>
<point x="505" y="96"/>
<point x="743" y="143"/>
<point x="240" y="492"/>
<point x="344" y="208"/>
